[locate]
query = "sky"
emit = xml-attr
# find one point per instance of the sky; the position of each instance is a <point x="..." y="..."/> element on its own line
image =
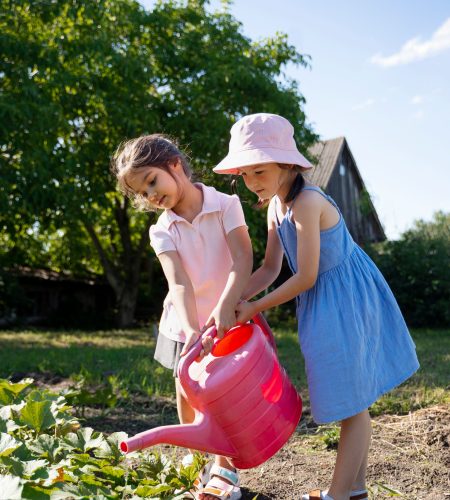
<point x="380" y="76"/>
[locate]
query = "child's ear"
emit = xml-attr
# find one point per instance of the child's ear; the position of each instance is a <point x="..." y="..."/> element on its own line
<point x="176" y="164"/>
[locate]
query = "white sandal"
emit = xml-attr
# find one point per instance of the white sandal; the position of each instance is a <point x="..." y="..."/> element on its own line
<point x="354" y="495"/>
<point x="218" y="488"/>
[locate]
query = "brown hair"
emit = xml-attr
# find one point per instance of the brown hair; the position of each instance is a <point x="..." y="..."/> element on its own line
<point x="155" y="150"/>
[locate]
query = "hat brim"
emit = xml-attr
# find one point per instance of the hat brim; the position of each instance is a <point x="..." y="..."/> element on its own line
<point x="240" y="159"/>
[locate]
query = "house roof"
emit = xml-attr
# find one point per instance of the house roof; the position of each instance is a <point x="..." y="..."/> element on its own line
<point x="49" y="275"/>
<point x="325" y="156"/>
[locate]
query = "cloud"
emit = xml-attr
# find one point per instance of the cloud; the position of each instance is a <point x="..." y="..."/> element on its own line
<point x="364" y="105"/>
<point x="416" y="49"/>
<point x="417" y="99"/>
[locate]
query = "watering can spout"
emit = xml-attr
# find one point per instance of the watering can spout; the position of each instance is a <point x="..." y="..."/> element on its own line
<point x="202" y="435"/>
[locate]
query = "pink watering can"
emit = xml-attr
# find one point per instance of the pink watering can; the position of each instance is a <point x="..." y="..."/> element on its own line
<point x="245" y="406"/>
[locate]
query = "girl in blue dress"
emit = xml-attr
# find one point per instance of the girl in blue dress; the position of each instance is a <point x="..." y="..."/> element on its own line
<point x="352" y="334"/>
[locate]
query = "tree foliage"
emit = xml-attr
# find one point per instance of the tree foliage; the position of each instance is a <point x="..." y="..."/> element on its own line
<point x="417" y="269"/>
<point x="77" y="78"/>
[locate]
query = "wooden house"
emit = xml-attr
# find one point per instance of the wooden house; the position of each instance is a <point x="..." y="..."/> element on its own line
<point x="51" y="298"/>
<point x="336" y="172"/>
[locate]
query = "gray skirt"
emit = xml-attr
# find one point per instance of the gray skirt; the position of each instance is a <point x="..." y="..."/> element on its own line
<point x="167" y="352"/>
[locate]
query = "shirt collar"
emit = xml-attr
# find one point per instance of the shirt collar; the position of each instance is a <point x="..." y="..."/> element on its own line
<point x="211" y="204"/>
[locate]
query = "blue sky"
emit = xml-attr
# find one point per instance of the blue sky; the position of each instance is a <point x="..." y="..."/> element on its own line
<point x="380" y="74"/>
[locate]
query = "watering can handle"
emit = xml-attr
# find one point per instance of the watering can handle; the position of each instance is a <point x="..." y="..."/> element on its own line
<point x="195" y="350"/>
<point x="261" y="321"/>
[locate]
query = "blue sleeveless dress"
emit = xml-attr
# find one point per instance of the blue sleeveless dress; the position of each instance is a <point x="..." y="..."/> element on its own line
<point x="352" y="334"/>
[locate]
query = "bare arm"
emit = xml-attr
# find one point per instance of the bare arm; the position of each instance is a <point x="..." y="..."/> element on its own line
<point x="223" y="315"/>
<point x="182" y="296"/>
<point x="307" y="221"/>
<point x="265" y="275"/>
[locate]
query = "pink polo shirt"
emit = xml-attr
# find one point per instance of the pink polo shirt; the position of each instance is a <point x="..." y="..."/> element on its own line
<point x="203" y="250"/>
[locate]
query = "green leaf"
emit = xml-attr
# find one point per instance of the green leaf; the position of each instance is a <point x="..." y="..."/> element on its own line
<point x="10" y="391"/>
<point x="35" y="492"/>
<point x="113" y="473"/>
<point x="37" y="415"/>
<point x="109" y="448"/>
<point x="8" y="444"/>
<point x="84" y="439"/>
<point x="11" y="487"/>
<point x="31" y="467"/>
<point x="45" y="446"/>
<point x="153" y="491"/>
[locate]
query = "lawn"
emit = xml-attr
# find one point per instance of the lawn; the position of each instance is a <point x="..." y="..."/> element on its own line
<point x="127" y="356"/>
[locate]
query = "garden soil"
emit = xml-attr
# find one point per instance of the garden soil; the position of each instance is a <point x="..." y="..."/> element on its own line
<point x="409" y="456"/>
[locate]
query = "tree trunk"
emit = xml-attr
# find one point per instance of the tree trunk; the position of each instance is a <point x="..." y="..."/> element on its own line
<point x="123" y="276"/>
<point x="126" y="306"/>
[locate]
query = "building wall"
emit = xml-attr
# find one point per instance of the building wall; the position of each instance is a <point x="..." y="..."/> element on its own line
<point x="346" y="188"/>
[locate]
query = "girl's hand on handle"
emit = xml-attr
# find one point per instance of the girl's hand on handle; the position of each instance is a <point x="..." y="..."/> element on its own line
<point x="191" y="338"/>
<point x="223" y="317"/>
<point x="245" y="311"/>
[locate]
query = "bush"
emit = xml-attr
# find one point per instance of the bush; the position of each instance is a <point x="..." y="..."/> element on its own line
<point x="417" y="268"/>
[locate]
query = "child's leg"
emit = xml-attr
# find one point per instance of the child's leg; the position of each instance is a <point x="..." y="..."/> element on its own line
<point x="351" y="462"/>
<point x="360" y="481"/>
<point x="185" y="411"/>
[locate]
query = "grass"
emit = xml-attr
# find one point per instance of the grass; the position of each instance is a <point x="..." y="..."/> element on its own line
<point x="128" y="354"/>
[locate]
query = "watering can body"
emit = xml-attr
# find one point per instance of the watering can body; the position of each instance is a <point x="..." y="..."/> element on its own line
<point x="245" y="405"/>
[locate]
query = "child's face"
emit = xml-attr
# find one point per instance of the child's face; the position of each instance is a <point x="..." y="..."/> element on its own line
<point x="265" y="180"/>
<point x="156" y="185"/>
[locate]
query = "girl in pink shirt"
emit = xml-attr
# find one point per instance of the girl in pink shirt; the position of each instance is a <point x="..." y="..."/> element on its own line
<point x="202" y="242"/>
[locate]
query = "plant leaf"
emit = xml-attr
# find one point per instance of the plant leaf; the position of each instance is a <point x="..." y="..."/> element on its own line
<point x="8" y="444"/>
<point x="10" y="487"/>
<point x="84" y="439"/>
<point x="10" y="391"/>
<point x="37" y="415"/>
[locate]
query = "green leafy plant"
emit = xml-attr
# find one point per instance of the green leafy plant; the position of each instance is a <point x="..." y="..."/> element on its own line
<point x="84" y="393"/>
<point x="45" y="453"/>
<point x="328" y="436"/>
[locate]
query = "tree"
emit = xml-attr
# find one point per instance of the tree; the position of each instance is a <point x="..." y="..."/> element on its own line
<point x="77" y="78"/>
<point x="417" y="268"/>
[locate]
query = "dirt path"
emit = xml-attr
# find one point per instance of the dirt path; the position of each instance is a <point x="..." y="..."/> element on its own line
<point x="409" y="454"/>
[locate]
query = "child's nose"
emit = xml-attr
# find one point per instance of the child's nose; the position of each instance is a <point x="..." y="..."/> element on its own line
<point x="152" y="195"/>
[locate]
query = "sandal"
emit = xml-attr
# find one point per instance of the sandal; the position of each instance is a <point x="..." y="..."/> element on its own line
<point x="218" y="488"/>
<point x="323" y="495"/>
<point x="202" y="478"/>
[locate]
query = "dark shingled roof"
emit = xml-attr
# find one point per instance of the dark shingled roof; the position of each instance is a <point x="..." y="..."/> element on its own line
<point x="325" y="155"/>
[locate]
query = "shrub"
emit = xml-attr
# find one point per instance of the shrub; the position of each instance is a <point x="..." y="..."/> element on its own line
<point x="417" y="267"/>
